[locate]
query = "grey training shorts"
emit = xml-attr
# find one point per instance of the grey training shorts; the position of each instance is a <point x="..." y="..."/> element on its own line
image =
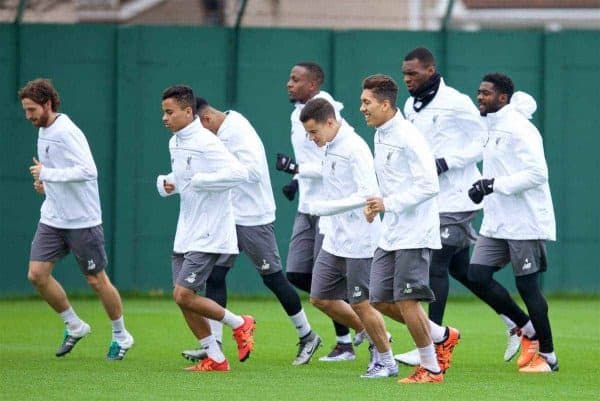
<point x="335" y="277"/>
<point x="258" y="242"/>
<point x="51" y="244"/>
<point x="191" y="269"/>
<point x="456" y="229"/>
<point x="400" y="275"/>
<point x="526" y="256"/>
<point x="305" y="244"/>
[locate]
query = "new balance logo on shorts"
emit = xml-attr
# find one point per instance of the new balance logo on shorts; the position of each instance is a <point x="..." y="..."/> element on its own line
<point x="357" y="292"/>
<point x="445" y="234"/>
<point x="191" y="278"/>
<point x="265" y="265"/>
<point x="91" y="264"/>
<point x="407" y="290"/>
<point x="527" y="264"/>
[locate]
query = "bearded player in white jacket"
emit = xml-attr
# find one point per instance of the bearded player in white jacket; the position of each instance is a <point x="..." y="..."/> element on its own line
<point x="452" y="126"/>
<point x="71" y="219"/>
<point x="203" y="172"/>
<point x="518" y="215"/>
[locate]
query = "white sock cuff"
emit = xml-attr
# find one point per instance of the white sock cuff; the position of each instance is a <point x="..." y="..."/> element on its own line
<point x="509" y="323"/>
<point x="437" y="332"/>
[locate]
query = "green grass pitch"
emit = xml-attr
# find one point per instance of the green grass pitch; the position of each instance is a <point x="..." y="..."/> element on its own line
<point x="30" y="333"/>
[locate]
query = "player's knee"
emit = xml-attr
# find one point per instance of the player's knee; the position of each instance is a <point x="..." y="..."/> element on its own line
<point x="380" y="306"/>
<point x="408" y="306"/>
<point x="36" y="278"/>
<point x="292" y="278"/>
<point x="360" y="307"/>
<point x="38" y="274"/>
<point x="98" y="281"/>
<point x="319" y="303"/>
<point x="480" y="274"/>
<point x="183" y="297"/>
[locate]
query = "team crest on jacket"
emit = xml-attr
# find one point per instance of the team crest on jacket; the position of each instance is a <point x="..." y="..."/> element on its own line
<point x="189" y="162"/>
<point x="333" y="167"/>
<point x="47" y="149"/>
<point x="389" y="155"/>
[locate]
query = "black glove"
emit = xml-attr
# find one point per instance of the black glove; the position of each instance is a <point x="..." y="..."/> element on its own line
<point x="480" y="189"/>
<point x="441" y="165"/>
<point x="286" y="164"/>
<point x="289" y="190"/>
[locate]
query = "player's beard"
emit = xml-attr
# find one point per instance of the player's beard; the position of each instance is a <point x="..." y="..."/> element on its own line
<point x="43" y="120"/>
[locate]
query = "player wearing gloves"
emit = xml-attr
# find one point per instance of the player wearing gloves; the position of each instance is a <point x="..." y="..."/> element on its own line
<point x="518" y="216"/>
<point x="453" y="128"/>
<point x="203" y="172"/>
<point x="303" y="85"/>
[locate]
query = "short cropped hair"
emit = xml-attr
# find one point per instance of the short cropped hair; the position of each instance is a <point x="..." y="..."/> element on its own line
<point x="183" y="95"/>
<point x="201" y="104"/>
<point x="383" y="87"/>
<point x="40" y="91"/>
<point x="317" y="109"/>
<point x="502" y="83"/>
<point x="422" y="54"/>
<point x="314" y="70"/>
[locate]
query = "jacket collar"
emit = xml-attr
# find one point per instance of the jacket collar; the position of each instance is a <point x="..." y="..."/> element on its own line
<point x="495" y="118"/>
<point x="189" y="130"/>
<point x="390" y="124"/>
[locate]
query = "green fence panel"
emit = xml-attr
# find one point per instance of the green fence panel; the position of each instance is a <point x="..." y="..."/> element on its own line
<point x="150" y="60"/>
<point x="80" y="60"/>
<point x="111" y="78"/>
<point x="571" y="140"/>
<point x="266" y="57"/>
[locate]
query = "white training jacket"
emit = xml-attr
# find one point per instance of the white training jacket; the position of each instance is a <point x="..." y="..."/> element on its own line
<point x="69" y="175"/>
<point x="253" y="202"/>
<point x="348" y="174"/>
<point x="306" y="151"/>
<point x="520" y="208"/>
<point x="452" y="126"/>
<point x="203" y="172"/>
<point x="408" y="182"/>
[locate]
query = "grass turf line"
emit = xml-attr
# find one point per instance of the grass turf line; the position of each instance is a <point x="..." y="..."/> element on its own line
<point x="152" y="370"/>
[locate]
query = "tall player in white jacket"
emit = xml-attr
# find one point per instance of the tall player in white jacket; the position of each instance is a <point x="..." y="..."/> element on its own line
<point x="455" y="132"/>
<point x="343" y="265"/>
<point x="411" y="227"/>
<point x="71" y="219"/>
<point x="203" y="172"/>
<point x="254" y="211"/>
<point x="518" y="216"/>
<point x="303" y="85"/>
